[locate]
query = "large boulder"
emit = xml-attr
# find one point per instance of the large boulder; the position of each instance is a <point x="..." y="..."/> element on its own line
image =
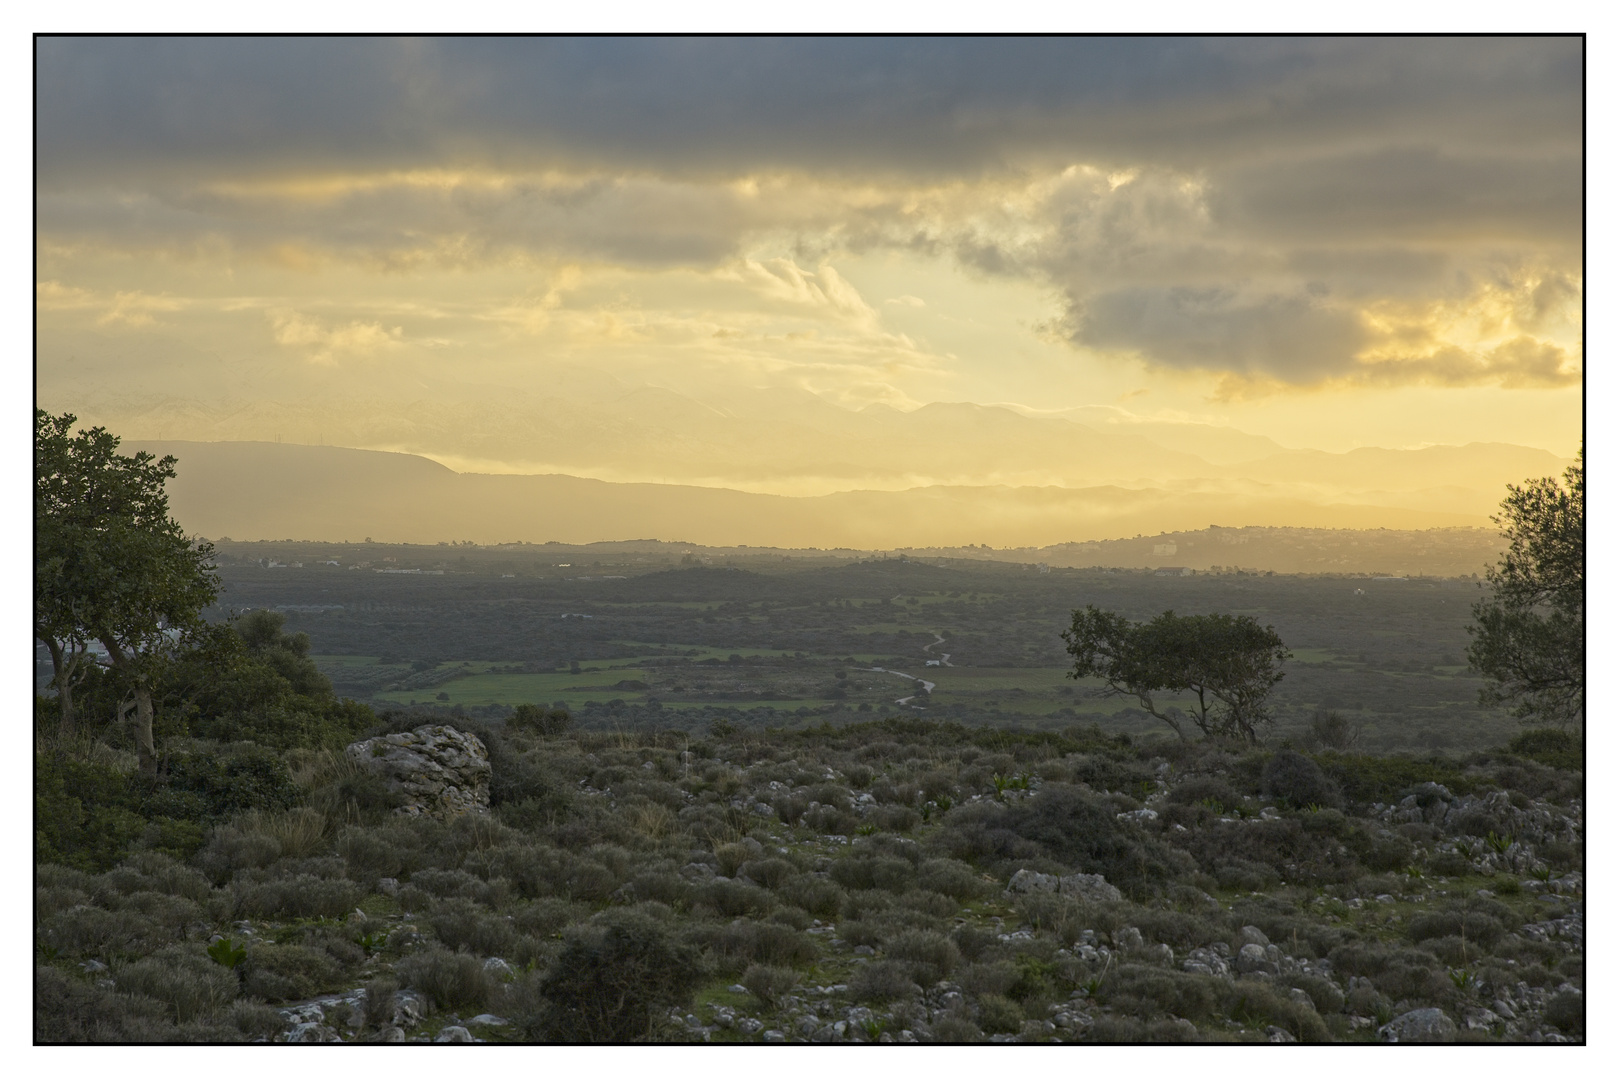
<point x="1092" y="887"/>
<point x="1419" y="1026"/>
<point x="437" y="769"/>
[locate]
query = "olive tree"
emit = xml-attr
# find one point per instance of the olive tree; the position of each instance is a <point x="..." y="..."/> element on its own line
<point x="110" y="565"/>
<point x="1529" y="635"/>
<point x="1227" y="663"/>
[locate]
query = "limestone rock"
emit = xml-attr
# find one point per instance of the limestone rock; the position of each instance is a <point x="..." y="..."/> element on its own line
<point x="455" y="1033"/>
<point x="1419" y="1026"/>
<point x="1090" y="887"/>
<point x="438" y="769"/>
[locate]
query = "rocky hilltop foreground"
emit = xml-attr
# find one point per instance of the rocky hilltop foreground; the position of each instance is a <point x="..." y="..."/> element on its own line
<point x="893" y="882"/>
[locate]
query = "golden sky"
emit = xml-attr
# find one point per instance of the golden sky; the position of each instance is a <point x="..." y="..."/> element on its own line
<point x="1332" y="243"/>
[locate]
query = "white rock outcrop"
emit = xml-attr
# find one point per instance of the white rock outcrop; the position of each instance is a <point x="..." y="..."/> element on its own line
<point x="438" y="769"/>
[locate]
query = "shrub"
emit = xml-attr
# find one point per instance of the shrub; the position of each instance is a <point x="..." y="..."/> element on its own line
<point x="230" y="849"/>
<point x="460" y="924"/>
<point x="96" y="932"/>
<point x="547" y="916"/>
<point x="929" y="903"/>
<point x="818" y="896"/>
<point x="1324" y="993"/>
<point x="1550" y="746"/>
<point x="956" y="1029"/>
<point x="882" y="981"/>
<point x="289" y="972"/>
<point x="1365" y="778"/>
<point x="1475" y="926"/>
<point x="1567" y="1012"/>
<point x="1147" y="992"/>
<point x="770" y="873"/>
<point x="71" y="1010"/>
<point x="254" y="1019"/>
<point x="734" y="898"/>
<point x="1297" y="780"/>
<point x="548" y="723"/>
<point x="952" y="878"/>
<point x="611" y="977"/>
<point x="301" y="897"/>
<point x="1254" y="1004"/>
<point x="450" y="980"/>
<point x="183" y="978"/>
<point x="378" y="1003"/>
<point x="769" y="983"/>
<point x="1201" y="789"/>
<point x="1062" y="822"/>
<point x="931" y="956"/>
<point x="995" y="977"/>
<point x="999" y="1015"/>
<point x="1335" y="732"/>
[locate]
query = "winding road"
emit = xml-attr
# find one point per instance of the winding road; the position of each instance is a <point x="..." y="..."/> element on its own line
<point x="944" y="659"/>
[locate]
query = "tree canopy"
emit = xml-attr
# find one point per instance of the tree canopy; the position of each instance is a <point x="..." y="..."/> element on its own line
<point x="1228" y="663"/>
<point x="1529" y="635"/>
<point x="111" y="566"/>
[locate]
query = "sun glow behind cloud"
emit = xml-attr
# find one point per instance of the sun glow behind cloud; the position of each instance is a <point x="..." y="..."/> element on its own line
<point x="1261" y="235"/>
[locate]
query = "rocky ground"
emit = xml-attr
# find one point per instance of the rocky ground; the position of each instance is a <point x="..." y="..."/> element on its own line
<point x="900" y="883"/>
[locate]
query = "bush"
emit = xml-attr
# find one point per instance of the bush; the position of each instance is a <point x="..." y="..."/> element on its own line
<point x="995" y="977"/>
<point x="930" y="956"/>
<point x="999" y="1015"/>
<point x="1063" y="823"/>
<point x="882" y="981"/>
<point x="301" y="897"/>
<point x="450" y="980"/>
<point x="1203" y="789"/>
<point x="1551" y="747"/>
<point x="463" y="925"/>
<point x="956" y="1029"/>
<point x="379" y="1001"/>
<point x="612" y="977"/>
<point x="1475" y="926"/>
<point x="72" y="1010"/>
<point x="1147" y="992"/>
<point x="769" y="983"/>
<point x="952" y="878"/>
<point x="1567" y="1012"/>
<point x="184" y="979"/>
<point x="1297" y="780"/>
<point x="818" y="896"/>
<point x="289" y="972"/>
<point x="1334" y="732"/>
<point x="548" y="723"/>
<point x="254" y="1020"/>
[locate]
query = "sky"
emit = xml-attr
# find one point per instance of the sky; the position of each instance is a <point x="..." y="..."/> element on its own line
<point x="1331" y="242"/>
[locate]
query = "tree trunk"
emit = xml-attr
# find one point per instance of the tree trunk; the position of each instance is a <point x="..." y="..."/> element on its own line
<point x="62" y="677"/>
<point x="62" y="669"/>
<point x="143" y="728"/>
<point x="142" y="693"/>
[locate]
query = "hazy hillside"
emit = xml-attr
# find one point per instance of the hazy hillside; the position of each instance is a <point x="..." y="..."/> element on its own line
<point x="252" y="490"/>
<point x="793" y="442"/>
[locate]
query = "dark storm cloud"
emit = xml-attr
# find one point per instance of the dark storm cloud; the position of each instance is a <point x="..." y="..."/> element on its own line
<point x="1227" y="205"/>
<point x="1291" y="338"/>
<point x="930" y="105"/>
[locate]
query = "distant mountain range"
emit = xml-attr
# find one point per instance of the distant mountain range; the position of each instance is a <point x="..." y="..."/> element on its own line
<point x="268" y="490"/>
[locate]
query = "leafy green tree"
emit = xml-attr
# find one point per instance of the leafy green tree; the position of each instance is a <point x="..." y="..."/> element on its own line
<point x="249" y="679"/>
<point x="1229" y="665"/>
<point x="1529" y="636"/>
<point x="612" y="978"/>
<point x="111" y="565"/>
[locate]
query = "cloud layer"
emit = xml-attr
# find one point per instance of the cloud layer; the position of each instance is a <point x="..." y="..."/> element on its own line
<point x="1267" y="214"/>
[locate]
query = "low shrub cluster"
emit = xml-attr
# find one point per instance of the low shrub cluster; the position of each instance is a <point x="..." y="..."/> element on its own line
<point x="794" y="882"/>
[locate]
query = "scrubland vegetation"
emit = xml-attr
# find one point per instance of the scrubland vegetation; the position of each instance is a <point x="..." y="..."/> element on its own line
<point x="217" y="861"/>
<point x="831" y="884"/>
